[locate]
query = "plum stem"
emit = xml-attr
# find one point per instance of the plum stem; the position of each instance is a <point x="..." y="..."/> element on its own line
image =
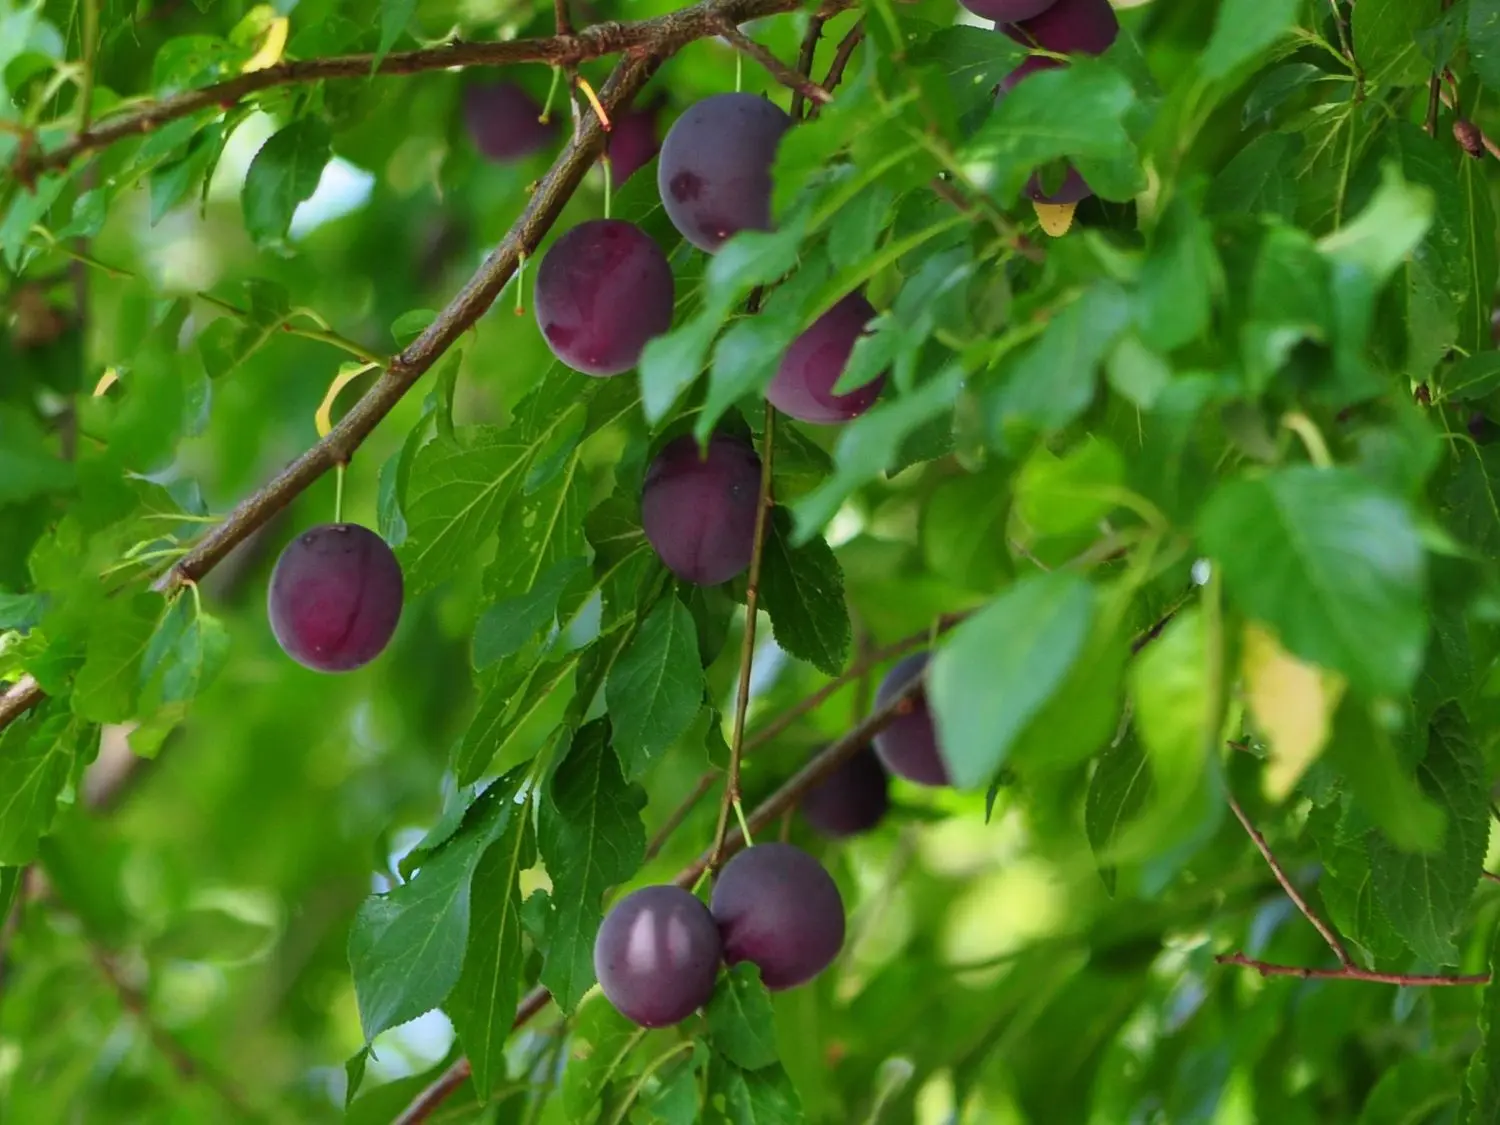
<point x="546" y="114"/>
<point x="800" y="84"/>
<point x="609" y="181"/>
<point x="338" y="491"/>
<point x="747" y="648"/>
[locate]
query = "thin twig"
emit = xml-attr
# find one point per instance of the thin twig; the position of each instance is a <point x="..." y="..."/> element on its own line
<point x="1286" y="884"/>
<point x="1490" y="876"/>
<point x="805" y="60"/>
<point x="1350" y="972"/>
<point x="803" y="86"/>
<point x="841" y="56"/>
<point x="660" y="35"/>
<point x="747" y="648"/>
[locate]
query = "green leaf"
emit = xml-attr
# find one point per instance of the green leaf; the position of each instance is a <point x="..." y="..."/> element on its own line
<point x="600" y="1040"/>
<point x="1426" y="896"/>
<point x="1118" y="791"/>
<point x="483" y="1003"/>
<point x="394" y="16"/>
<point x="655" y="688"/>
<point x="28" y="465"/>
<point x="1484" y="41"/>
<point x="35" y="761"/>
<point x="591" y="838"/>
<point x="108" y="684"/>
<point x="1331" y="563"/>
<point x="407" y="947"/>
<point x="10" y="887"/>
<point x="1172" y="687"/>
<point x="1179" y="279"/>
<point x="1063" y="495"/>
<point x="1385" y="39"/>
<point x="457" y="493"/>
<point x="284" y="172"/>
<point x="186" y="653"/>
<point x="802" y="589"/>
<point x="995" y="672"/>
<point x="755" y="1097"/>
<point x="1243" y="29"/>
<point x="1483" y="1079"/>
<point x="1470" y="379"/>
<point x="1378" y="776"/>
<point x="741" y="1023"/>
<point x="1258" y="179"/>
<point x="1346" y="886"/>
<point x="1074" y="111"/>
<point x="506" y="627"/>
<point x="1411" y="1092"/>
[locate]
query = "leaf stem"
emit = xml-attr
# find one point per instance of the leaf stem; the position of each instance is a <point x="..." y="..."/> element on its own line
<point x="338" y="491"/>
<point x="747" y="646"/>
<point x="652" y="1067"/>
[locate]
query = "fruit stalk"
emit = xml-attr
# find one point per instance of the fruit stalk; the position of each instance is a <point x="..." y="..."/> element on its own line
<point x="800" y="84"/>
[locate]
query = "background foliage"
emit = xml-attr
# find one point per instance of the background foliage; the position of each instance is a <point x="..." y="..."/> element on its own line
<point x="1211" y="479"/>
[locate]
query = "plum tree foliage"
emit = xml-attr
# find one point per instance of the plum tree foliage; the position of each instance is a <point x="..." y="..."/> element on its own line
<point x="922" y="561"/>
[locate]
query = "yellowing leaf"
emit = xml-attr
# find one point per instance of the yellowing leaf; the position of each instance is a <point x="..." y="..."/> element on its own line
<point x="1291" y="702"/>
<point x="1056" y="218"/>
<point x="347" y="374"/>
<point x="271" y="49"/>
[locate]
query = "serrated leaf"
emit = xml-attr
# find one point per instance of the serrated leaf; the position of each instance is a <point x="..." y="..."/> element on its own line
<point x="755" y="1097"/>
<point x="483" y="1003"/>
<point x="510" y="624"/>
<point x="802" y="589"/>
<point x="406" y="947"/>
<point x="655" y="688"/>
<point x="1346" y="886"/>
<point x="1425" y="896"/>
<point x="186" y="652"/>
<point x="1331" y="563"/>
<point x="1385" y="39"/>
<point x="108" y="684"/>
<point x="600" y="1040"/>
<point x="541" y="528"/>
<point x="591" y="838"/>
<point x="997" y="670"/>
<point x="284" y="172"/>
<point x="1409" y="1093"/>
<point x="35" y="761"/>
<point x="1118" y="791"/>
<point x="741" y="1023"/>
<point x="457" y="493"/>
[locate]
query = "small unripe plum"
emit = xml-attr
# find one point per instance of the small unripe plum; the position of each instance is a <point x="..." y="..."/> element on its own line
<point x="632" y="142"/>
<point x="1069" y="27"/>
<point x="603" y="290"/>
<point x="335" y="597"/>
<point x="656" y="955"/>
<point x="852" y="799"/>
<point x="803" y="386"/>
<point x="504" y="121"/>
<point x="699" y="512"/>
<point x="715" y="169"/>
<point x="908" y="745"/>
<point x="778" y="909"/>
<point x="1007" y="11"/>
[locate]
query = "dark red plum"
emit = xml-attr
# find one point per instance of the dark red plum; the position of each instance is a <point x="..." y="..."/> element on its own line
<point x="504" y="121"/>
<point x="1069" y="27"/>
<point x="778" y="909"/>
<point x="656" y="955"/>
<point x="804" y="382"/>
<point x="852" y="799"/>
<point x="1007" y="11"/>
<point x="699" y="513"/>
<point x="908" y="746"/>
<point x="602" y="291"/>
<point x="632" y="142"/>
<point x="715" y="169"/>
<point x="335" y="597"/>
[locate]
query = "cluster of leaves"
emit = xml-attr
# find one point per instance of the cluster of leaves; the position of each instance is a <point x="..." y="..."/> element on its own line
<point x="1210" y="477"/>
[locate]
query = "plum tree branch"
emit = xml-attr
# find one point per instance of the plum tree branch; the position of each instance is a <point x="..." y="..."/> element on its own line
<point x="1347" y="969"/>
<point x="659" y="36"/>
<point x="800" y="84"/>
<point x="805" y="60"/>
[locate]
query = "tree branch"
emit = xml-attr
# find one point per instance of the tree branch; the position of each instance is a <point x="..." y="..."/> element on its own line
<point x="805" y="60"/>
<point x="841" y="57"/>
<point x="660" y="35"/>
<point x="800" y="84"/>
<point x="1350" y="972"/>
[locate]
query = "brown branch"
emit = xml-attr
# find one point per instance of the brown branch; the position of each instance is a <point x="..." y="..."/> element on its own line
<point x="1350" y="972"/>
<point x="19" y="698"/>
<point x="1490" y="876"/>
<point x="805" y="60"/>
<point x="659" y="35"/>
<point x="841" y="56"/>
<point x="1286" y="884"/>
<point x="803" y="86"/>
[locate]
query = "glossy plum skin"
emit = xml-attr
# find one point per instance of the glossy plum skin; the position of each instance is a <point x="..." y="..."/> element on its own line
<point x="1074" y="188"/>
<point x="852" y="799"/>
<point x="778" y="909"/>
<point x="657" y="954"/>
<point x="715" y="169"/>
<point x="1069" y="27"/>
<point x="502" y="120"/>
<point x="803" y="386"/>
<point x="602" y="290"/>
<point x="699" y="513"/>
<point x="632" y="142"/>
<point x="1007" y="11"/>
<point x="335" y="597"/>
<point x="908" y="746"/>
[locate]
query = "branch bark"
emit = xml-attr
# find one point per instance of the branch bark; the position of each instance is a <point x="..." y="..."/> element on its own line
<point x="659" y="36"/>
<point x="801" y="85"/>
